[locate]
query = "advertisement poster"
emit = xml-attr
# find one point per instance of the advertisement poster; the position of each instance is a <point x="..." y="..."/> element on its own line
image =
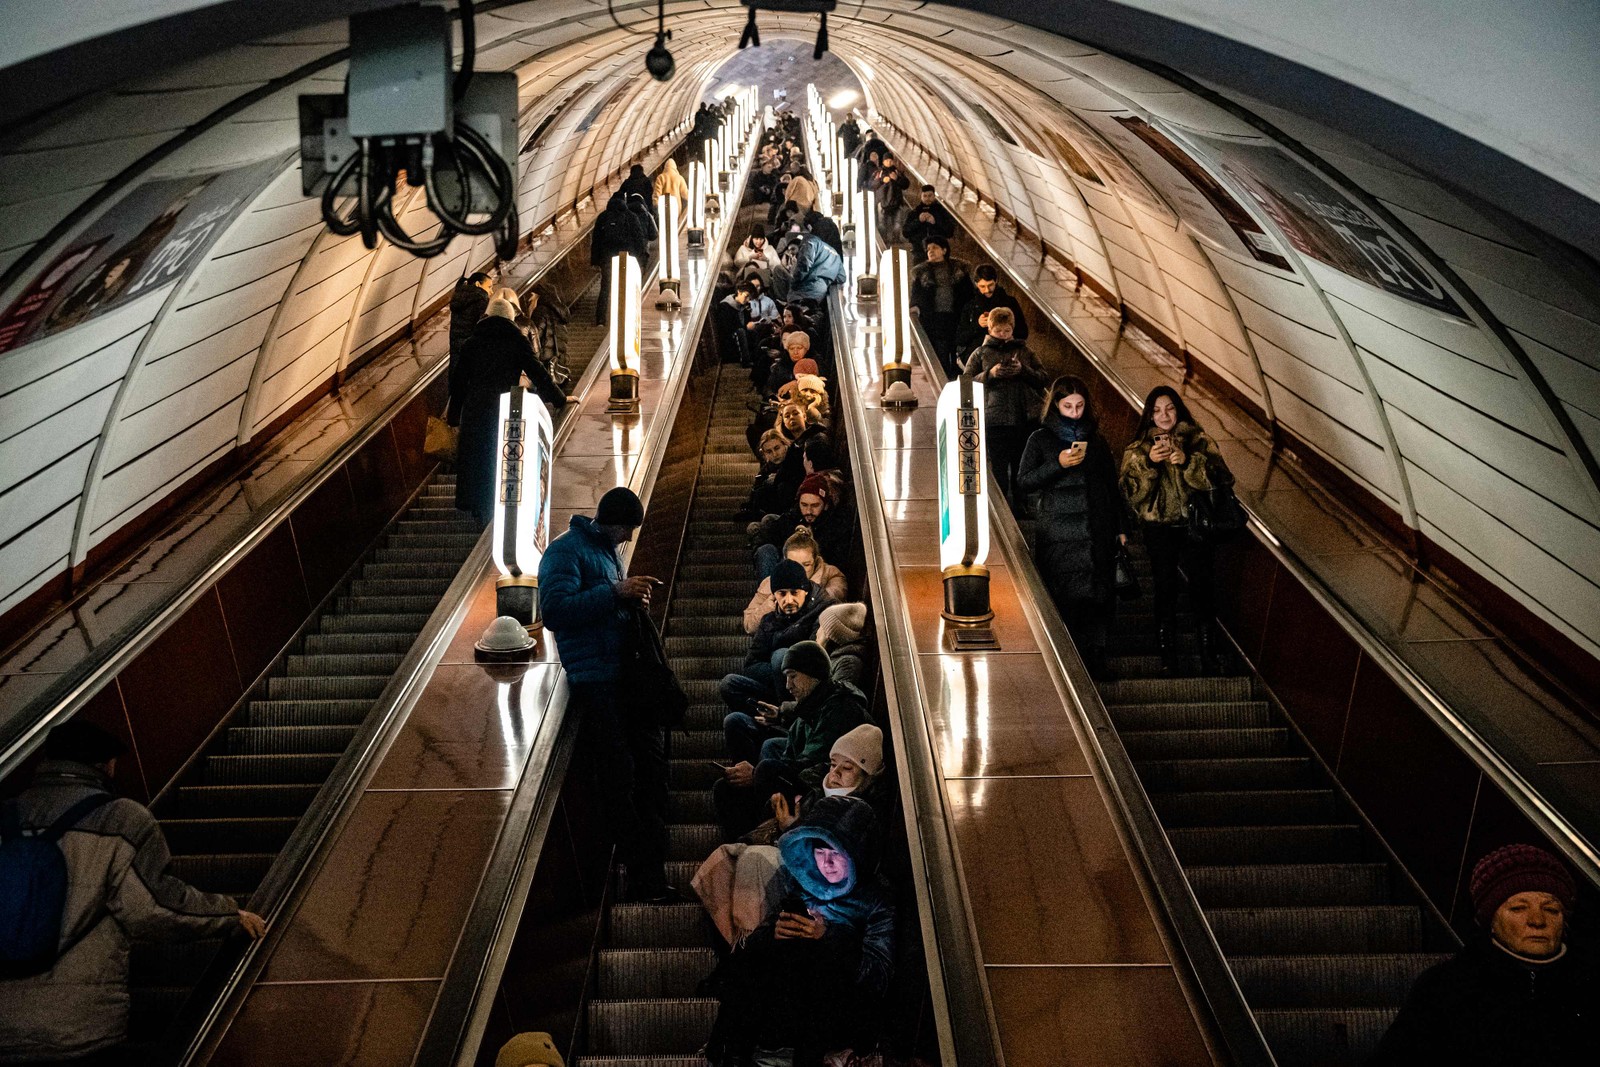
<point x="1214" y="211"/>
<point x="147" y="240"/>
<point x="1325" y="225"/>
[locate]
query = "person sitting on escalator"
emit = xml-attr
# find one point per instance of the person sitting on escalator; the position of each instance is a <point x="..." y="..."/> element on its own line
<point x="797" y="602"/>
<point x="775" y="485"/>
<point x="1518" y="994"/>
<point x="802" y="548"/>
<point x="812" y="976"/>
<point x="71" y="1005"/>
<point x="821" y="504"/>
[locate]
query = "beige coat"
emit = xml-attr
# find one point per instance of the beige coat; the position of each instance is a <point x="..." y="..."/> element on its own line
<point x="670" y="183"/>
<point x="829" y="579"/>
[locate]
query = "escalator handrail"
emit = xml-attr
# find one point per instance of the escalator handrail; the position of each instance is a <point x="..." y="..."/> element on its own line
<point x="1205" y="970"/>
<point x="477" y="967"/>
<point x="1583" y="853"/>
<point x="955" y="970"/>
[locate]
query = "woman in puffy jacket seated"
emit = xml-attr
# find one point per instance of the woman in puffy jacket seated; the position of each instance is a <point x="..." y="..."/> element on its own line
<point x="811" y="977"/>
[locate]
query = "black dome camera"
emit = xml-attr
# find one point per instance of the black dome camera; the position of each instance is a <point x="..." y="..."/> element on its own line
<point x="658" y="61"/>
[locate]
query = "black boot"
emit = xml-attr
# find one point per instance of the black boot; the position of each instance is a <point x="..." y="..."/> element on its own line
<point x="1168" y="636"/>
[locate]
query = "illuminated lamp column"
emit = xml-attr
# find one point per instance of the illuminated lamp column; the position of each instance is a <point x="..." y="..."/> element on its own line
<point x="867" y="244"/>
<point x="625" y="334"/>
<point x="724" y="143"/>
<point x="847" y="204"/>
<point x="964" y="511"/>
<point x="522" y="505"/>
<point x="696" y="237"/>
<point x="894" y="321"/>
<point x="667" y="293"/>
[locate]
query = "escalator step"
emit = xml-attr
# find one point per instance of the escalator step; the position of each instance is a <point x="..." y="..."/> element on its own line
<point x="384" y="571"/>
<point x="686" y="625"/>
<point x="691" y="806"/>
<point x="380" y="623"/>
<point x="1176" y="690"/>
<point x="701" y="668"/>
<point x="408" y="555"/>
<point x="640" y="1061"/>
<point x="1274" y="772"/>
<point x="396" y="605"/>
<point x="678" y="1025"/>
<point x="702" y="690"/>
<point x="224" y="801"/>
<point x="701" y="744"/>
<point x="284" y="740"/>
<point x="346" y="644"/>
<point x="269" y="770"/>
<point x="739" y="589"/>
<point x="1320" y="930"/>
<point x="705" y="717"/>
<point x="660" y="925"/>
<point x="680" y="873"/>
<point x="1219" y="716"/>
<point x="1249" y="807"/>
<point x="170" y="963"/>
<point x="433" y="587"/>
<point x="719" y="645"/>
<point x="264" y="834"/>
<point x="1149" y="665"/>
<point x="326" y="687"/>
<point x="1135" y="644"/>
<point x="458" y="543"/>
<point x="375" y="664"/>
<point x="732" y="541"/>
<point x="1328" y="1037"/>
<point x="692" y="773"/>
<point x="1345" y="981"/>
<point x="1290" y="883"/>
<point x="307" y="712"/>
<point x="691" y="841"/>
<point x="1218" y="845"/>
<point x="653" y="972"/>
<point x="700" y="571"/>
<point x="1156" y="744"/>
<point x="414" y="524"/>
<point x="225" y="872"/>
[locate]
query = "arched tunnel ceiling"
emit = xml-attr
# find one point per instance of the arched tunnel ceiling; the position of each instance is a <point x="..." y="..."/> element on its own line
<point x="1439" y="354"/>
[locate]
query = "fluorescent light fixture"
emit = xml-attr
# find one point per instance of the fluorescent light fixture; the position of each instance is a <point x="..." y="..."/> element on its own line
<point x="625" y="333"/>
<point x="843" y="98"/>
<point x="522" y="504"/>
<point x="963" y="503"/>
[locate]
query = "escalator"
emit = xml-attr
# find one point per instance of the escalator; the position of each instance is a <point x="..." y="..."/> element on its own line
<point x="1323" y="931"/>
<point x="645" y="1012"/>
<point x="237" y="807"/>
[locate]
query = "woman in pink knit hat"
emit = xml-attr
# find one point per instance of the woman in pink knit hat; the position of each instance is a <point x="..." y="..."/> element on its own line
<point x="1517" y="993"/>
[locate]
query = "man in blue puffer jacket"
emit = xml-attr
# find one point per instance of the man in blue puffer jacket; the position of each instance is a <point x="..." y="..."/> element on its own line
<point x="817" y="267"/>
<point x="584" y="599"/>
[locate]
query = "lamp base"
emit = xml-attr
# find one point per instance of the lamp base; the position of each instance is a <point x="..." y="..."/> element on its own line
<point x="696" y="237"/>
<point x="518" y="597"/>
<point x="667" y="298"/>
<point x="867" y="287"/>
<point x="966" y="595"/>
<point x="624" y="391"/>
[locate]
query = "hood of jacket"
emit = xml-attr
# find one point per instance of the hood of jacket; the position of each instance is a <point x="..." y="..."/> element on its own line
<point x="619" y="201"/>
<point x="845" y="824"/>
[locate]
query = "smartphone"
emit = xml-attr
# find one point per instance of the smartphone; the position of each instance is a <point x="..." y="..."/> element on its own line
<point x="719" y="766"/>
<point x="794" y="904"/>
<point x="1163" y="439"/>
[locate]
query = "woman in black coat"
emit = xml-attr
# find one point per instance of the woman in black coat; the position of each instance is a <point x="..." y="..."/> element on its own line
<point x="493" y="361"/>
<point x="1081" y="516"/>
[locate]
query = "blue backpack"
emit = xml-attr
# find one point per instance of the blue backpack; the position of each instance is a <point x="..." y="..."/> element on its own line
<point x="33" y="888"/>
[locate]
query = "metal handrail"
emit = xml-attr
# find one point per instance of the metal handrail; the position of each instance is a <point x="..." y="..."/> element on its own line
<point x="949" y="935"/>
<point x="1576" y="846"/>
<point x="477" y="967"/>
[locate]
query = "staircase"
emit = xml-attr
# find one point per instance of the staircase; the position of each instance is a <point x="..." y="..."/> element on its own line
<point x="1323" y="934"/>
<point x="645" y="1012"/>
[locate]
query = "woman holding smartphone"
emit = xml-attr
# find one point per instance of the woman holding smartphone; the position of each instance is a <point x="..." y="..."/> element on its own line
<point x="1081" y="516"/>
<point x="1169" y="460"/>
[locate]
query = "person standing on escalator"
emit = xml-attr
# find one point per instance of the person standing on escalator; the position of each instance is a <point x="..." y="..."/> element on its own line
<point x="118" y="891"/>
<point x="584" y="598"/>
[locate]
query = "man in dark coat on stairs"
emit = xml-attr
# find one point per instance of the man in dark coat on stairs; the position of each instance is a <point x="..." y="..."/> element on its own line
<point x="467" y="305"/>
<point x="615" y="231"/>
<point x="584" y="598"/>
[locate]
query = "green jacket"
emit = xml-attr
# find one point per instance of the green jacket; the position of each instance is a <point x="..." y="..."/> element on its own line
<point x="1159" y="492"/>
<point x="830" y="711"/>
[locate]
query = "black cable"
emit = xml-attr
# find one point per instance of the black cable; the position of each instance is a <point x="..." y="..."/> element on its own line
<point x="611" y="10"/>
<point x="330" y="213"/>
<point x="499" y="178"/>
<point x="369" y="225"/>
<point x="469" y="48"/>
<point x="822" y="39"/>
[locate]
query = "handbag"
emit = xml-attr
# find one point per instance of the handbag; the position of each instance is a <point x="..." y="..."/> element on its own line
<point x="1127" y="581"/>
<point x="645" y="675"/>
<point x="439" y="439"/>
<point x="1214" y="515"/>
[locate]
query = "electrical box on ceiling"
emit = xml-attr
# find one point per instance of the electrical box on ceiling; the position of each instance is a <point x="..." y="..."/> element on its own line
<point x="400" y="76"/>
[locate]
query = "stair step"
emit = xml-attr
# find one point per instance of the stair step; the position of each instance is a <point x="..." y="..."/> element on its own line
<point x="400" y="586"/>
<point x="412" y="555"/>
<point x="691" y="774"/>
<point x="269" y="770"/>
<point x="653" y="972"/>
<point x="740" y="589"/>
<point x="326" y="687"/>
<point x="660" y="925"/>
<point x="680" y="625"/>
<point x="1250" y="807"/>
<point x="1368" y="980"/>
<point x="1327" y="1037"/>
<point x="1176" y="690"/>
<point x="223" y="801"/>
<point x="701" y="744"/>
<point x="692" y="841"/>
<point x="1219" y="845"/>
<point x="1348" y="928"/>
<point x="347" y="644"/>
<point x="702" y="668"/>
<point x="375" y="664"/>
<point x="1155" y="744"/>
<point x="411" y="526"/>
<point x="691" y="806"/>
<point x="239" y="872"/>
<point x="640" y="1061"/>
<point x="1245" y="714"/>
<point x="288" y="740"/>
<point x="375" y="622"/>
<point x="707" y="645"/>
<point x="1264" y="773"/>
<point x="263" y="834"/>
<point x="696" y="570"/>
<point x="395" y="605"/>
<point x="678" y="1025"/>
<point x="383" y="571"/>
<point x="307" y="712"/>
<point x="1290" y="883"/>
<point x="459" y="544"/>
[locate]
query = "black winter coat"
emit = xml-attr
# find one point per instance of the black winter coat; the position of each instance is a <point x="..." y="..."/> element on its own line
<point x="492" y="362"/>
<point x="467" y="305"/>
<point x="970" y="335"/>
<point x="639" y="182"/>
<point x="1487" y="1007"/>
<point x="1080" y="514"/>
<point x="916" y="231"/>
<point x="615" y="230"/>
<point x="778" y="630"/>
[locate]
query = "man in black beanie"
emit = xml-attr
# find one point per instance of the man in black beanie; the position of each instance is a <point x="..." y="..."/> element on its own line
<point x="70" y="1005"/>
<point x="585" y="598"/>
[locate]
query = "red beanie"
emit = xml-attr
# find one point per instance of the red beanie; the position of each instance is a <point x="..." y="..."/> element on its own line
<point x="818" y="485"/>
<point x="1505" y="872"/>
<point x="805" y="366"/>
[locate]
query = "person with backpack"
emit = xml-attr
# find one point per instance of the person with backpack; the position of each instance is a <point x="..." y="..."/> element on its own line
<point x="83" y="875"/>
<point x="615" y="231"/>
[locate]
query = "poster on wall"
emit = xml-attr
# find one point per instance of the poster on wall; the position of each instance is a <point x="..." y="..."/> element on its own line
<point x="1213" y="211"/>
<point x="1325" y="225"/>
<point x="147" y="240"/>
